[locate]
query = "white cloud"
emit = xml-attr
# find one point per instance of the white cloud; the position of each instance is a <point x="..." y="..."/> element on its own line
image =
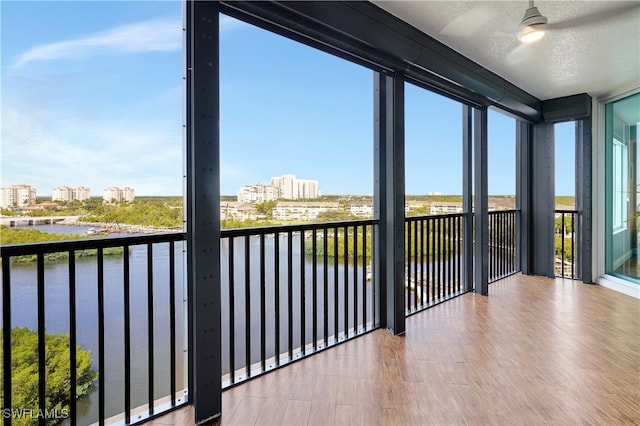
<point x="159" y="35"/>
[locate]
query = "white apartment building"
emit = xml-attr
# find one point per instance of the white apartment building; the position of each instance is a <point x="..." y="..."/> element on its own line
<point x="292" y="188"/>
<point x="237" y="210"/>
<point x="361" y="209"/>
<point x="300" y="210"/>
<point x="17" y="195"/>
<point x="258" y="193"/>
<point x="118" y="194"/>
<point x="65" y="193"/>
<point x="445" y="207"/>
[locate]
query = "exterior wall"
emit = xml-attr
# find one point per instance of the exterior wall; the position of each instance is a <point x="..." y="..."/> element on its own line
<point x="292" y="188"/>
<point x="361" y="210"/>
<point x="258" y="193"/>
<point x="62" y="193"/>
<point x="302" y="210"/>
<point x="444" y="208"/>
<point x="82" y="193"/>
<point x="65" y="193"/>
<point x="17" y="195"/>
<point x="118" y="194"/>
<point x="237" y="211"/>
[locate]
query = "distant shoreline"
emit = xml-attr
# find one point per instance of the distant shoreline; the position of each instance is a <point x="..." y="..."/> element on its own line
<point x="123" y="228"/>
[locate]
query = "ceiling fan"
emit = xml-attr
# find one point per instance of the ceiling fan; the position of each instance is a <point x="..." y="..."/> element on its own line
<point x="485" y="15"/>
<point x="533" y="25"/>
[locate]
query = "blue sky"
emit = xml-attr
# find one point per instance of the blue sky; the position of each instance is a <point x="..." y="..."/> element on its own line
<point x="92" y="96"/>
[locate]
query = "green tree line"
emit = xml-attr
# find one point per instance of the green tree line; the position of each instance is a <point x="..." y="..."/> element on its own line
<point x="24" y="374"/>
<point x="16" y="235"/>
<point x="155" y="213"/>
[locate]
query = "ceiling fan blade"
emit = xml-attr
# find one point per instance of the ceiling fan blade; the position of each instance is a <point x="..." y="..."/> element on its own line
<point x="593" y="18"/>
<point x="470" y="22"/>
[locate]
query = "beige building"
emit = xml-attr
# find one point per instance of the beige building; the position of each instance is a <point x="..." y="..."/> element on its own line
<point x="300" y="210"/>
<point x="17" y="196"/>
<point x="237" y="211"/>
<point x="258" y="193"/>
<point x="65" y="193"/>
<point x="361" y="209"/>
<point x="293" y="188"/>
<point x="118" y="194"/>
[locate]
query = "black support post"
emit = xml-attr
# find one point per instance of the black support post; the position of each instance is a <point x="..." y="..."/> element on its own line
<point x="481" y="210"/>
<point x="203" y="209"/>
<point x="389" y="199"/>
<point x="467" y="196"/>
<point x="523" y="195"/>
<point x="584" y="198"/>
<point x="542" y="201"/>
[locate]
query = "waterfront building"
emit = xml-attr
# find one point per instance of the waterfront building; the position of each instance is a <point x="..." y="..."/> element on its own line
<point x="302" y="210"/>
<point x="258" y="193"/>
<point x="17" y="196"/>
<point x="361" y="209"/>
<point x="118" y="195"/>
<point x="293" y="188"/>
<point x="237" y="210"/>
<point x="68" y="194"/>
<point x="438" y="207"/>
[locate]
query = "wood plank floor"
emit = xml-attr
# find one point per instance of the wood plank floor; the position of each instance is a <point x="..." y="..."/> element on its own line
<point x="536" y="351"/>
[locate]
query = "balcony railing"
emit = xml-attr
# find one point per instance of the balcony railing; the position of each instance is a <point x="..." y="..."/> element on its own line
<point x="286" y="292"/>
<point x="292" y="291"/>
<point x="502" y="241"/>
<point x="434" y="260"/>
<point x="121" y="298"/>
<point x="567" y="237"/>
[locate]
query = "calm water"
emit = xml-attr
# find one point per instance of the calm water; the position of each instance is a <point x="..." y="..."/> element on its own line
<point x="24" y="314"/>
<point x="274" y="285"/>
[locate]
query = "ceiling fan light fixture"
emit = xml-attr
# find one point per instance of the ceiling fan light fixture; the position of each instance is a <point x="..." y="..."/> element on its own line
<point x="532" y="26"/>
<point x="530" y="34"/>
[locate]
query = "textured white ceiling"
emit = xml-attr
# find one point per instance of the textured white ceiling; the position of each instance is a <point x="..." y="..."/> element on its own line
<point x="591" y="46"/>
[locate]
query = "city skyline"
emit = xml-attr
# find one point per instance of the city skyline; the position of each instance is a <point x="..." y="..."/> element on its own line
<point x="92" y="96"/>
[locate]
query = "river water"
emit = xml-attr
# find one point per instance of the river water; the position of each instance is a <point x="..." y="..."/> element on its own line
<point x="24" y="314"/>
<point x="24" y="309"/>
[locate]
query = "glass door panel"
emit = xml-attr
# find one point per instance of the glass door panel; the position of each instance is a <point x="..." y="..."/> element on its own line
<point x="622" y="193"/>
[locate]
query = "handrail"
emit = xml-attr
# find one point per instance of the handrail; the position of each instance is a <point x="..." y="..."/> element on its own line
<point x="566" y="263"/>
<point x="23" y="249"/>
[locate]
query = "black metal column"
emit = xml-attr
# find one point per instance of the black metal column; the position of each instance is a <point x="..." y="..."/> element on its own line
<point x="467" y="196"/>
<point x="523" y="195"/>
<point x="390" y="199"/>
<point x="481" y="210"/>
<point x="584" y="166"/>
<point x="542" y="208"/>
<point x="203" y="209"/>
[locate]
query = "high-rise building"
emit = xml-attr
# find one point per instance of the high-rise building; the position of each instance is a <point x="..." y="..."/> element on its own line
<point x="292" y="188"/>
<point x="118" y="194"/>
<point x="65" y="193"/>
<point x="17" y="196"/>
<point x="258" y="193"/>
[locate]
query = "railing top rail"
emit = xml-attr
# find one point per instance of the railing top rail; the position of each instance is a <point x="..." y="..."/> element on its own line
<point x="566" y="211"/>
<point x="236" y="232"/>
<point x="432" y="216"/>
<point x="504" y="211"/>
<point x="89" y="243"/>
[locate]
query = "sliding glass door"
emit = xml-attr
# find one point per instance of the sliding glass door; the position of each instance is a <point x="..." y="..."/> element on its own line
<point x="622" y="188"/>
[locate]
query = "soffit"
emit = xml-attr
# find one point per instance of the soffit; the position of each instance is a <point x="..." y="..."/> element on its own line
<point x="594" y="47"/>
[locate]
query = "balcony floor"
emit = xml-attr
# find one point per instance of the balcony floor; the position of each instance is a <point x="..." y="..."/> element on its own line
<point x="536" y="351"/>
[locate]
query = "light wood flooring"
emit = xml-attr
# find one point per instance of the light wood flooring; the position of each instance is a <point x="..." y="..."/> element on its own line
<point x="535" y="351"/>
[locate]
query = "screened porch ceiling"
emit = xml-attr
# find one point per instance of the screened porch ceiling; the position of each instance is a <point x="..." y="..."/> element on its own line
<point x="591" y="47"/>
